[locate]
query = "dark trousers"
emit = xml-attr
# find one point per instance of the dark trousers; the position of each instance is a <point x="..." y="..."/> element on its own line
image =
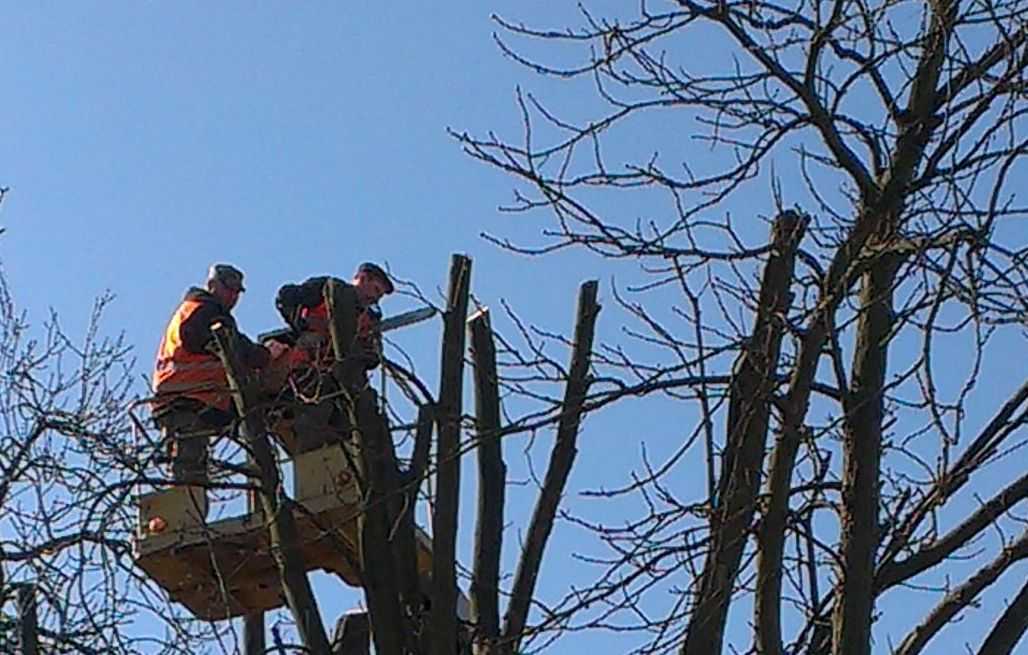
<point x="187" y="427"/>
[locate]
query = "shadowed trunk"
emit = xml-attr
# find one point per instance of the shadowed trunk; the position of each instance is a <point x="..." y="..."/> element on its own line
<point x="492" y="475"/>
<point x="753" y="383"/>
<point x="254" y="641"/>
<point x="862" y="445"/>
<point x="561" y="459"/>
<point x="444" y="518"/>
<point x="376" y="479"/>
<point x="28" y="621"/>
<point x="278" y="516"/>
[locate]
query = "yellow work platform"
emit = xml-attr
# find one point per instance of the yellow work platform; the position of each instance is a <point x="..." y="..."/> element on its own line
<point x="225" y="569"/>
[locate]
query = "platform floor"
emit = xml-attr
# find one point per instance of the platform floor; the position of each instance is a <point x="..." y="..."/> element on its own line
<point x="224" y="569"/>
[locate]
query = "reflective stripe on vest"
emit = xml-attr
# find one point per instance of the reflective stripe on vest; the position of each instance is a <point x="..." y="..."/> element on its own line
<point x="181" y="373"/>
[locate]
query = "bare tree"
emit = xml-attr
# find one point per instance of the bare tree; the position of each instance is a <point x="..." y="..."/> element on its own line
<point x="77" y="450"/>
<point x="387" y="521"/>
<point x="864" y="334"/>
<point x="68" y="448"/>
<point x="854" y="433"/>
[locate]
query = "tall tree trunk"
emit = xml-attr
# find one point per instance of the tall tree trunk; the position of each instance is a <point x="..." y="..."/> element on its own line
<point x="492" y="478"/>
<point x="254" y="642"/>
<point x="376" y="480"/>
<point x="379" y="568"/>
<point x="562" y="457"/>
<point x="28" y="620"/>
<point x="444" y="520"/>
<point x="752" y="386"/>
<point x="277" y="515"/>
<point x="862" y="445"/>
<point x="253" y="634"/>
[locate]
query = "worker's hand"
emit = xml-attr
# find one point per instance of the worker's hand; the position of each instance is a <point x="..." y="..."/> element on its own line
<point x="277" y="349"/>
<point x="368" y="350"/>
<point x="367" y="323"/>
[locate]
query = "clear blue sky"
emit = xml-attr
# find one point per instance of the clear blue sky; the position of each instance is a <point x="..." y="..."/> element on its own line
<point x="143" y="141"/>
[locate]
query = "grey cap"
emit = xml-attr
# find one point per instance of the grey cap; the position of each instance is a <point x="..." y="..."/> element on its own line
<point x="228" y="275"/>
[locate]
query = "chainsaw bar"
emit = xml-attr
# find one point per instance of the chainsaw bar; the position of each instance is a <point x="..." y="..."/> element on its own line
<point x="385" y="325"/>
<point x="406" y="318"/>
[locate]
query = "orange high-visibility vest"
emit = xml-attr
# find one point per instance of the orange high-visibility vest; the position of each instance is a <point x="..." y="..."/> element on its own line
<point x="316" y="318"/>
<point x="316" y="321"/>
<point x="180" y="373"/>
<point x="318" y="352"/>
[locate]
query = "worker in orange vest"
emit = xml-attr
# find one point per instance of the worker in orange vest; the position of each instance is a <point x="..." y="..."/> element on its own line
<point x="303" y="308"/>
<point x="191" y="397"/>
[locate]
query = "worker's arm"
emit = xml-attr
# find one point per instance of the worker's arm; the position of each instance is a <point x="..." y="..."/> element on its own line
<point x="254" y="355"/>
<point x="293" y="297"/>
<point x="369" y="339"/>
<point x="195" y="331"/>
<point x="196" y="336"/>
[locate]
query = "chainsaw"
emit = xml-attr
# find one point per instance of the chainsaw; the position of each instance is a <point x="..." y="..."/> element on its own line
<point x="385" y="325"/>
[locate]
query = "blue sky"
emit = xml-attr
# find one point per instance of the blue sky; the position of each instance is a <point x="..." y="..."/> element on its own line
<point x="144" y="141"/>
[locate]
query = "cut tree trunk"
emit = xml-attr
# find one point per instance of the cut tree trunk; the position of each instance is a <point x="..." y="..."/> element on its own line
<point x="753" y="383"/>
<point x="562" y="458"/>
<point x="492" y="476"/>
<point x="277" y="515"/>
<point x="447" y="499"/>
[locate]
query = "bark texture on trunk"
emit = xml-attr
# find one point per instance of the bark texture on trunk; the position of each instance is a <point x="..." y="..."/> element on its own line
<point x="278" y="515"/>
<point x="562" y="458"/>
<point x="753" y="383"/>
<point x="447" y="501"/>
<point x="492" y="479"/>
<point x="862" y="445"/>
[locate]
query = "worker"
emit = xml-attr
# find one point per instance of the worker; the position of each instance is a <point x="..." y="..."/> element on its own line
<point x="303" y="307"/>
<point x="191" y="397"/>
<point x="303" y="359"/>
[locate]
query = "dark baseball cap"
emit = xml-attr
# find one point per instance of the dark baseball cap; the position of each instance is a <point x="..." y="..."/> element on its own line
<point x="228" y="275"/>
<point x="375" y="269"/>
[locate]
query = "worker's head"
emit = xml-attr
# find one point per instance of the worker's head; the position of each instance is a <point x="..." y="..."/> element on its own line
<point x="371" y="283"/>
<point x="225" y="282"/>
